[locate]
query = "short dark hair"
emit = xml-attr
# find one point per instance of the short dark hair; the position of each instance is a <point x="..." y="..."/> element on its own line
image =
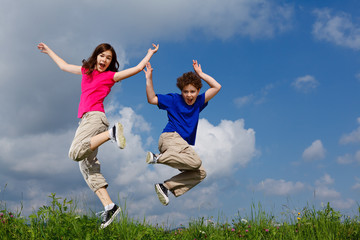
<point x="189" y="78"/>
<point x="90" y="63"/>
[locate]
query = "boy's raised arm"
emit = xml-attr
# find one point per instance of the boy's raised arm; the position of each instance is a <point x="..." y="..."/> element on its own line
<point x="150" y="93"/>
<point x="59" y="61"/>
<point x="214" y="85"/>
<point x="138" y="68"/>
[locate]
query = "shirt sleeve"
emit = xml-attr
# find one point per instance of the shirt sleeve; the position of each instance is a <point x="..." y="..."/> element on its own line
<point x="165" y="101"/>
<point x="203" y="105"/>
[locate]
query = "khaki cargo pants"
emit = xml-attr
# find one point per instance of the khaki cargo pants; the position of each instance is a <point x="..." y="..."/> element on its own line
<point x="177" y="153"/>
<point x="91" y="124"/>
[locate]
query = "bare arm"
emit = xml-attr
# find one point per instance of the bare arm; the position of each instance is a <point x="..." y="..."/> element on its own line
<point x="135" y="70"/>
<point x="59" y="61"/>
<point x="214" y="85"/>
<point x="150" y="93"/>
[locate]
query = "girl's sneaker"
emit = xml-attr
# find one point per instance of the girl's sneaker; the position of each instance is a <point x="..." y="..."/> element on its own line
<point x="117" y="135"/>
<point x="109" y="216"/>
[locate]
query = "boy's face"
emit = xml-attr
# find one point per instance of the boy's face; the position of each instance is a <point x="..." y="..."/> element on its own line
<point x="189" y="94"/>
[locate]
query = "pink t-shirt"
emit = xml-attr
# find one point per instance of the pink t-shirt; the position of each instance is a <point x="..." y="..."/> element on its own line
<point x="94" y="89"/>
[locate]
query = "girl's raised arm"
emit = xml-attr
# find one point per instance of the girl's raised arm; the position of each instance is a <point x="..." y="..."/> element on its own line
<point x="59" y="61"/>
<point x="135" y="70"/>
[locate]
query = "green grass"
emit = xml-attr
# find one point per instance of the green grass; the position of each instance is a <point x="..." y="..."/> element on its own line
<point x="59" y="220"/>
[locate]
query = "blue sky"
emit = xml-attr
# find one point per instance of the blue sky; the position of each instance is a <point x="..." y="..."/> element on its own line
<point x="284" y="130"/>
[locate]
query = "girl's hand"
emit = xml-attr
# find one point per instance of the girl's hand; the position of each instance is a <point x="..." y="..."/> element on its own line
<point x="197" y="67"/>
<point x="156" y="47"/>
<point x="43" y="48"/>
<point x="148" y="71"/>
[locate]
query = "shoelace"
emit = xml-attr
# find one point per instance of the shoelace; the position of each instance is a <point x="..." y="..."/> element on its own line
<point x="100" y="214"/>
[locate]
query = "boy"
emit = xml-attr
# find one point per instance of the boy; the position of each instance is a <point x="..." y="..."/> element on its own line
<point x="180" y="132"/>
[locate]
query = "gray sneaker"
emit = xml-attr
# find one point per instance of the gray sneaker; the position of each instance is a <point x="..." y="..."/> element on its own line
<point x="118" y="135"/>
<point x="162" y="193"/>
<point x="152" y="158"/>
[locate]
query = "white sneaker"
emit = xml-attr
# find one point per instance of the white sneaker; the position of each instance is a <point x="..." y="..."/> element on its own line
<point x="152" y="158"/>
<point x="118" y="135"/>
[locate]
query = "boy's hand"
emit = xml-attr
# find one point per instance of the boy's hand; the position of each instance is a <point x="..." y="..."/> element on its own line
<point x="156" y="47"/>
<point x="148" y="71"/>
<point x="197" y="67"/>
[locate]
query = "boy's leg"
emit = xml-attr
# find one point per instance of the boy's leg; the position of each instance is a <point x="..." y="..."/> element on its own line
<point x="177" y="153"/>
<point x="185" y="181"/>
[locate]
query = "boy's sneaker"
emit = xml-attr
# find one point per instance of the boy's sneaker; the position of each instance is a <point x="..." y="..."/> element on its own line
<point x="117" y="135"/>
<point x="162" y="193"/>
<point x="109" y="216"/>
<point x="152" y="158"/>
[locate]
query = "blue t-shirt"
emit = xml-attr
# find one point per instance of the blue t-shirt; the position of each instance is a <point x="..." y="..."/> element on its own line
<point x="183" y="118"/>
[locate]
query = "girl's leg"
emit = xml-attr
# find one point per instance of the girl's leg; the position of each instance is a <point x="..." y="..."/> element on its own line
<point x="103" y="195"/>
<point x="92" y="124"/>
<point x="98" y="140"/>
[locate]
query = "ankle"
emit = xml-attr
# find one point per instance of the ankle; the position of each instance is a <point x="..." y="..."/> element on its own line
<point x="109" y="207"/>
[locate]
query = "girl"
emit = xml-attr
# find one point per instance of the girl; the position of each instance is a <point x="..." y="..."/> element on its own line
<point x="99" y="73"/>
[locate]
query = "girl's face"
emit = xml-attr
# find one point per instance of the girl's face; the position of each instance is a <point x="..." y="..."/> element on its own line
<point x="103" y="61"/>
<point x="189" y="94"/>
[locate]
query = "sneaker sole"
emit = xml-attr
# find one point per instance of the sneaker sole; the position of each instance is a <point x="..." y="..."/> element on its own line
<point x="120" y="139"/>
<point x="163" y="199"/>
<point x="102" y="226"/>
<point x="149" y="158"/>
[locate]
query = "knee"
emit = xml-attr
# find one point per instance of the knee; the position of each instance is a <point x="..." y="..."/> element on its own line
<point x="202" y="174"/>
<point x="74" y="155"/>
<point x="197" y="164"/>
<point x="80" y="152"/>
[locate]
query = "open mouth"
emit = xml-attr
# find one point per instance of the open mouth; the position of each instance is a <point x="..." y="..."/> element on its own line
<point x="189" y="101"/>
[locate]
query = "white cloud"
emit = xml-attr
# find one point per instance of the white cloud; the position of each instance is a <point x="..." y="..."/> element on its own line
<point x="242" y="101"/>
<point x="357" y="76"/>
<point x="225" y="147"/>
<point x="305" y="84"/>
<point x="343" y="204"/>
<point x="346" y="159"/>
<point x="279" y="187"/>
<point x="315" y="152"/>
<point x="336" y="28"/>
<point x="349" y="158"/>
<point x="256" y="98"/>
<point x="356" y="186"/>
<point x="352" y="137"/>
<point x="322" y="190"/>
<point x="325" y="180"/>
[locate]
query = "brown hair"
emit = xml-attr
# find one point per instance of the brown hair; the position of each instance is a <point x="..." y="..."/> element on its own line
<point x="90" y="63"/>
<point x="189" y="78"/>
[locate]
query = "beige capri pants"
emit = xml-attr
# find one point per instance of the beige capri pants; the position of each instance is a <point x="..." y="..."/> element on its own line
<point x="91" y="124"/>
<point x="177" y="153"/>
